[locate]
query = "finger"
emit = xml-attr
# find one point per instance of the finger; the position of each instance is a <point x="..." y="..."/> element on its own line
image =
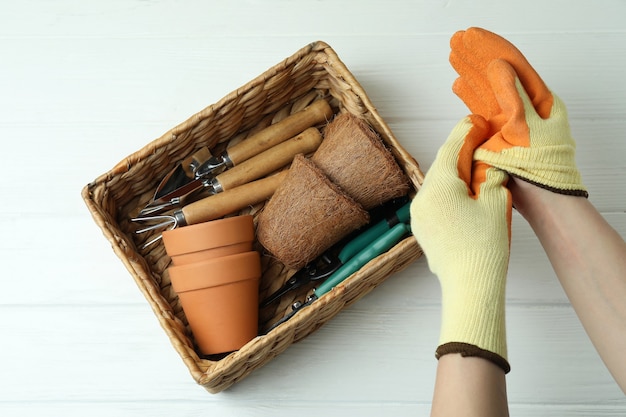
<point x="484" y="46"/>
<point x="478" y="99"/>
<point x="513" y="101"/>
<point x="486" y="177"/>
<point x="492" y="178"/>
<point x="472" y="84"/>
<point x="454" y="158"/>
<point x="465" y="63"/>
<point x="452" y="168"/>
<point x="495" y="190"/>
<point x="478" y="177"/>
<point x="475" y="135"/>
<point x="457" y="39"/>
<point x="463" y="57"/>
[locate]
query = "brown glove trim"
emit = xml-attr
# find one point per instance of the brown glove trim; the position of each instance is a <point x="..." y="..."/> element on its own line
<point x="575" y="193"/>
<point x="466" y="349"/>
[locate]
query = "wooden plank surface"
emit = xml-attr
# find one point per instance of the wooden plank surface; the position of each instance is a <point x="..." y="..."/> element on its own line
<point x="84" y="84"/>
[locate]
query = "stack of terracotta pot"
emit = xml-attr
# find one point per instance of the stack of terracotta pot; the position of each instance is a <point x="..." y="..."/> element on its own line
<point x="216" y="275"/>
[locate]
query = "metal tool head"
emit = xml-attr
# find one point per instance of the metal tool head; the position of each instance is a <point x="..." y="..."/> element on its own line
<point x="295" y="308"/>
<point x="320" y="269"/>
<point x="182" y="195"/>
<point x="213" y="166"/>
<point x="163" y="223"/>
<point x="176" y="183"/>
<point x="153" y="208"/>
<point x="174" y="179"/>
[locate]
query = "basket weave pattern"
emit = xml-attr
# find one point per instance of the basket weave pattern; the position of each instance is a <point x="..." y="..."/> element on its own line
<point x="114" y="197"/>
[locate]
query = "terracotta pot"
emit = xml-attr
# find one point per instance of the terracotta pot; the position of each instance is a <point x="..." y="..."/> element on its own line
<point x="220" y="299"/>
<point x="208" y="240"/>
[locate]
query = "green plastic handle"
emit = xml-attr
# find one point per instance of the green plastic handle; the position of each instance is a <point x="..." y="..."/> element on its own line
<point x="404" y="213"/>
<point x="360" y="242"/>
<point x="379" y="246"/>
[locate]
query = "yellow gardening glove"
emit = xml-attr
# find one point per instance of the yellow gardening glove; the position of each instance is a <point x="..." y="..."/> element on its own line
<point x="461" y="217"/>
<point x="529" y="134"/>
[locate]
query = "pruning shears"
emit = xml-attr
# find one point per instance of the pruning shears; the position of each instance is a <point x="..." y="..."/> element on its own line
<point x="333" y="270"/>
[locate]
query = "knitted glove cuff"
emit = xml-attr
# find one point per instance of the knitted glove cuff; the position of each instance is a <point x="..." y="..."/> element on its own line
<point x="575" y="193"/>
<point x="466" y="349"/>
<point x="539" y="167"/>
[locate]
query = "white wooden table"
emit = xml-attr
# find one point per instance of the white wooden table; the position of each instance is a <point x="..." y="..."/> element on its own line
<point x="83" y="84"/>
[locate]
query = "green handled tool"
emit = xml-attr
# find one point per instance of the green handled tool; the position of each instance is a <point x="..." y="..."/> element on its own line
<point x="327" y="264"/>
<point x="378" y="247"/>
<point x="356" y="245"/>
<point x="383" y="243"/>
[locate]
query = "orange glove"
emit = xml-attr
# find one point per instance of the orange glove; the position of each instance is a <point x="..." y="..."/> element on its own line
<point x="529" y="135"/>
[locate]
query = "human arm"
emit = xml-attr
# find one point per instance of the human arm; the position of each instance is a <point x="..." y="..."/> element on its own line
<point x="531" y="140"/>
<point x="589" y="259"/>
<point x="461" y="218"/>
<point x="469" y="386"/>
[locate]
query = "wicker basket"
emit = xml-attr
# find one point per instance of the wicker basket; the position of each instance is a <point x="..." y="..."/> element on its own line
<point x="113" y="198"/>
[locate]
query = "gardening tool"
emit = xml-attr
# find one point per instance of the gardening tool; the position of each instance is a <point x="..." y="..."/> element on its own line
<point x="213" y="207"/>
<point x="331" y="260"/>
<point x="249" y="170"/>
<point x="317" y="112"/>
<point x="182" y="173"/>
<point x="382" y="244"/>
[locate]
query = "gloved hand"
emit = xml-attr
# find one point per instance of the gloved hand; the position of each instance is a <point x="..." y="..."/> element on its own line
<point x="461" y="217"/>
<point x="529" y="134"/>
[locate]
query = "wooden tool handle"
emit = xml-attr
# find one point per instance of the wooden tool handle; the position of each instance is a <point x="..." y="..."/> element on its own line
<point x="219" y="205"/>
<point x="317" y="112"/>
<point x="270" y="160"/>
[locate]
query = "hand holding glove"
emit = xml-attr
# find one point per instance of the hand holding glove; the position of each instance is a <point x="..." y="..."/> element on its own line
<point x="461" y="217"/>
<point x="529" y="134"/>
